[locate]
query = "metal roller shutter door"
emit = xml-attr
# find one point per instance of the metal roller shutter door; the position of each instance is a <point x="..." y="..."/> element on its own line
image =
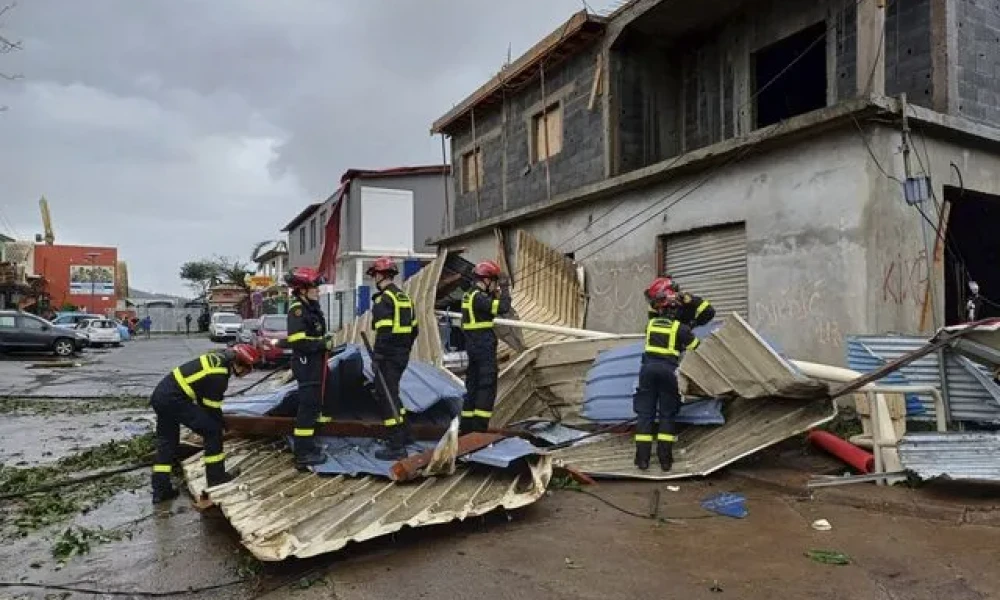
<point x="711" y="263"/>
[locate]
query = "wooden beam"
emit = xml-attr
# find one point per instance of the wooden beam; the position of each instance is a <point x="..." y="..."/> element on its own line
<point x="596" y="87"/>
<point x="410" y="467"/>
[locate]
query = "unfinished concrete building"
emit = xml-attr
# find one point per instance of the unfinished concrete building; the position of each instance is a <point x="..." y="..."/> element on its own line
<point x="755" y="150"/>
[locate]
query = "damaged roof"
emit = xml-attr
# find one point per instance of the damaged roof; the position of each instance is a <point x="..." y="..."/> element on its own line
<point x="280" y="512"/>
<point x="964" y="456"/>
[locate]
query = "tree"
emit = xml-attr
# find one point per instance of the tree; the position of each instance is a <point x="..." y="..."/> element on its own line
<point x="7" y="45"/>
<point x="199" y="275"/>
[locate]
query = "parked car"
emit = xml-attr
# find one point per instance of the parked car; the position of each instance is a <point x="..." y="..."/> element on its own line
<point x="69" y="320"/>
<point x="100" y="332"/>
<point x="271" y="338"/>
<point x="248" y="329"/>
<point x="224" y="326"/>
<point x="24" y="332"/>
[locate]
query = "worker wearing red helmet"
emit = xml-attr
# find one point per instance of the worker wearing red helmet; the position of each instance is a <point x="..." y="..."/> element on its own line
<point x="394" y="319"/>
<point x="691" y="310"/>
<point x="480" y="305"/>
<point x="191" y="395"/>
<point x="309" y="343"/>
<point x="657" y="394"/>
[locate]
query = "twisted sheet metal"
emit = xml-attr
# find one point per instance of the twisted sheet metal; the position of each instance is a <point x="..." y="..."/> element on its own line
<point x="280" y="512"/>
<point x="969" y="456"/>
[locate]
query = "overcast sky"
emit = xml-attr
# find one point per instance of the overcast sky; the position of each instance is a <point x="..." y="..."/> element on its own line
<point x="179" y="129"/>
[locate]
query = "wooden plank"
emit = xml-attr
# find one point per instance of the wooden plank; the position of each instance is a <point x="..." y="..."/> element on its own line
<point x="598" y="74"/>
<point x="943" y="219"/>
<point x="410" y="467"/>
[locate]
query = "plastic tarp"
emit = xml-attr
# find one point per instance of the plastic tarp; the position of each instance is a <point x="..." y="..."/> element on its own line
<point x="611" y="383"/>
<point x="426" y="391"/>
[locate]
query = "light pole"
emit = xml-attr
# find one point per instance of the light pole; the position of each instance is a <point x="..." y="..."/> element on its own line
<point x="92" y="257"/>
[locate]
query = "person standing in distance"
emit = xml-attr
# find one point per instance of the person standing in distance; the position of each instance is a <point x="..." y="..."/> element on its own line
<point x="489" y="297"/>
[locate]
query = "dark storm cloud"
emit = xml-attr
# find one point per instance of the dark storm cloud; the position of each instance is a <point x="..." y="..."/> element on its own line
<point x="179" y="129"/>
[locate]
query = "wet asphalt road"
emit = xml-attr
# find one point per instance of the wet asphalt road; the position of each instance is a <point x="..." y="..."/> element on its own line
<point x="132" y="370"/>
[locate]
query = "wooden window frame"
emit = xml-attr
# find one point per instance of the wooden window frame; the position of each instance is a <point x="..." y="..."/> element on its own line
<point x="475" y="155"/>
<point x="543" y="116"/>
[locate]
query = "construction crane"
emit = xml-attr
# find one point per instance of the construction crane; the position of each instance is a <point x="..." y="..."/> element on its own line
<point x="50" y="237"/>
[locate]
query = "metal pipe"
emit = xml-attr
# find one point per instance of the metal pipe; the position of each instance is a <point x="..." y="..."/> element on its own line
<point x="568" y="331"/>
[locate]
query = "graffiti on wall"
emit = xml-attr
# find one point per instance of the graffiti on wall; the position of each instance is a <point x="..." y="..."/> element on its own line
<point x="799" y="309"/>
<point x="616" y="301"/>
<point x="904" y="279"/>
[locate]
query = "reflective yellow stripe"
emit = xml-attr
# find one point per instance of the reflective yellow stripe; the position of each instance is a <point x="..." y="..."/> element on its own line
<point x="303" y="432"/>
<point x="298" y="337"/>
<point x="666" y="437"/>
<point x="400" y="302"/>
<point x="468" y="413"/>
<point x="643" y="437"/>
<point x="294" y="305"/>
<point x="485" y="414"/>
<point x="212" y="403"/>
<point x="655" y="327"/>
<point x="693" y="344"/>
<point x="701" y="308"/>
<point x="392" y="422"/>
<point x="324" y="419"/>
<point x="495" y="307"/>
<point x="383" y="323"/>
<point x="402" y="410"/>
<point x="185" y="387"/>
<point x="162" y="468"/>
<point x="213" y="458"/>
<point x="469" y="321"/>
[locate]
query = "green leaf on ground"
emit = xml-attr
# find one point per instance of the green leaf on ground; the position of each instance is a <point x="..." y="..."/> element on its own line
<point x="829" y="557"/>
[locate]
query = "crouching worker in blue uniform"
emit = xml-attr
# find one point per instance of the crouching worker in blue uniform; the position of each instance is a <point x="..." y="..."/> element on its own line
<point x="192" y="396"/>
<point x="657" y="394"/>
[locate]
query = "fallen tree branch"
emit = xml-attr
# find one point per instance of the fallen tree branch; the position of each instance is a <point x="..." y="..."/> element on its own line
<point x="76" y="480"/>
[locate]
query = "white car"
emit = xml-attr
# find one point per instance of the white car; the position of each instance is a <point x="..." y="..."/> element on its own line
<point x="224" y="326"/>
<point x="100" y="332"/>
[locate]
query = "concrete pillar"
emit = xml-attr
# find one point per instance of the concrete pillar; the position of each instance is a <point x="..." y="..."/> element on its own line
<point x="944" y="56"/>
<point x="871" y="47"/>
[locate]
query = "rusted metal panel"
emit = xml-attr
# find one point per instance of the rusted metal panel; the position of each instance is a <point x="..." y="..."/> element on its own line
<point x="281" y="513"/>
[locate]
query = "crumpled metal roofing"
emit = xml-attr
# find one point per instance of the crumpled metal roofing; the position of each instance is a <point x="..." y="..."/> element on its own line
<point x="735" y="361"/>
<point x="972" y="395"/>
<point x="547" y="383"/>
<point x="969" y="456"/>
<point x="280" y="512"/>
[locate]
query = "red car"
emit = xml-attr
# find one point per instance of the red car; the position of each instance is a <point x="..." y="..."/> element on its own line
<point x="271" y="337"/>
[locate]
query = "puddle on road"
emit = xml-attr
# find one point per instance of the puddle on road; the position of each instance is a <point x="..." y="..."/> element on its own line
<point x="31" y="440"/>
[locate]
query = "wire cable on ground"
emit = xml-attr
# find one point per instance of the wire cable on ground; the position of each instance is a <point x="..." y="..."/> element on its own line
<point x="140" y="593"/>
<point x="640" y="515"/>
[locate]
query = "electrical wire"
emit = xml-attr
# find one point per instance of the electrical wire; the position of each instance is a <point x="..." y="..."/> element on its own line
<point x="140" y="593"/>
<point x="637" y="515"/>
<point x="556" y="261"/>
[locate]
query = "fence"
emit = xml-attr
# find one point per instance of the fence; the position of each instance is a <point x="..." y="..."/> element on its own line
<point x="169" y="319"/>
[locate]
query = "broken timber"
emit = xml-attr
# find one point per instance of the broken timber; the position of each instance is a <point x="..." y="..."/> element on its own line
<point x="409" y="468"/>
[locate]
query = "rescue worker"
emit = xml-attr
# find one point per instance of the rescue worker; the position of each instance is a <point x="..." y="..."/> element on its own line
<point x="480" y="305"/>
<point x="657" y="394"/>
<point x="310" y="343"/>
<point x="394" y="319"/>
<point x="691" y="310"/>
<point x="192" y="396"/>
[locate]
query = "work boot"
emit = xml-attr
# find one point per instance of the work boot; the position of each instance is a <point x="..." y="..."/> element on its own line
<point x="216" y="474"/>
<point x="642" y="452"/>
<point x="406" y="433"/>
<point x="395" y="445"/>
<point x="163" y="490"/>
<point x="307" y="453"/>
<point x="665" y="452"/>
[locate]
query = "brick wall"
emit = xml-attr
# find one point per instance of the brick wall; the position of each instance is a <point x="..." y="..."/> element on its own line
<point x="908" y="50"/>
<point x="979" y="60"/>
<point x="580" y="162"/>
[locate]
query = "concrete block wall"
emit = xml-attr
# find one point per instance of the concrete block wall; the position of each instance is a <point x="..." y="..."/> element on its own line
<point x="580" y="162"/>
<point x="978" y="23"/>
<point x="908" y="50"/>
<point x="846" y="33"/>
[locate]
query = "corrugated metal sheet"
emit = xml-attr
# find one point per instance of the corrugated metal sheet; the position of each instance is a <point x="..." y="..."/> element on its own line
<point x="751" y="425"/>
<point x="956" y="455"/>
<point x="713" y="263"/>
<point x="422" y="289"/>
<point x="969" y="399"/>
<point x="546" y="289"/>
<point x="280" y="512"/>
<point x="734" y="361"/>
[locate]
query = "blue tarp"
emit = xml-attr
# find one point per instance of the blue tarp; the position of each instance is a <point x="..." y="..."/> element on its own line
<point x="502" y="453"/>
<point x="611" y="383"/>
<point x="425" y="390"/>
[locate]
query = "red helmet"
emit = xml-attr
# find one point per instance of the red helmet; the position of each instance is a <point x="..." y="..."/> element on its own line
<point x="487" y="270"/>
<point x="301" y="278"/>
<point x="383" y="264"/>
<point x="660" y="293"/>
<point x="245" y="354"/>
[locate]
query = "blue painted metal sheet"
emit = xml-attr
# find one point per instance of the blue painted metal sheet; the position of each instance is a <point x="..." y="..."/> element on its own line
<point x="425" y="390"/>
<point x="411" y="267"/>
<point x="364" y="294"/>
<point x="610" y="383"/>
<point x="861" y="358"/>
<point x="501" y="454"/>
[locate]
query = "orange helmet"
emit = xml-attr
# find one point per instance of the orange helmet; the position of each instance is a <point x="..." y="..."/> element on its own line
<point x="304" y="277"/>
<point x="383" y="264"/>
<point x="487" y="270"/>
<point x="245" y="354"/>
<point x="660" y="293"/>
